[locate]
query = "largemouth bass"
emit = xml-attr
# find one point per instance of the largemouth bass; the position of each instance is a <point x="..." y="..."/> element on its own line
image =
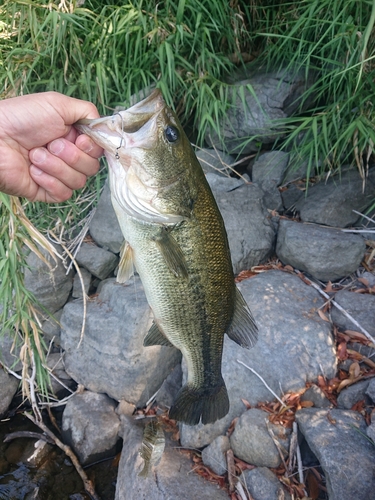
<point x="175" y="236"/>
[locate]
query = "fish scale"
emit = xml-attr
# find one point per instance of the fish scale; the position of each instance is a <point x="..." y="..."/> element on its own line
<point x="175" y="237"/>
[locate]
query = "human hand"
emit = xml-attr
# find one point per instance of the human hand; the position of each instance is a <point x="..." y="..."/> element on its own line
<point x="42" y="156"/>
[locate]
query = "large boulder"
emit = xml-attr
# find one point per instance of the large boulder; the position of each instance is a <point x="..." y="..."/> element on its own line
<point x="338" y="439"/>
<point x="111" y="358"/>
<point x="327" y="254"/>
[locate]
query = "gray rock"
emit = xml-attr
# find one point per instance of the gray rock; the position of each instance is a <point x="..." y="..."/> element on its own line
<point x="250" y="232"/>
<point x="10" y="346"/>
<point x="171" y="385"/>
<point x="111" y="357"/>
<point x="251" y="440"/>
<point x="77" y="292"/>
<point x="290" y="196"/>
<point x="370" y="277"/>
<point x="327" y="254"/>
<point x="171" y="479"/>
<point x="214" y="455"/>
<point x="8" y="388"/>
<point x="370" y="431"/>
<point x="263" y="484"/>
<point x="332" y="202"/>
<point x="51" y="328"/>
<point x="91" y="426"/>
<point x="352" y="394"/>
<point x="277" y="95"/>
<point x="338" y="439"/>
<point x="360" y="306"/>
<point x="223" y="184"/>
<point x="51" y="286"/>
<point x="214" y="161"/>
<point x="316" y="396"/>
<point x="269" y="169"/>
<point x="104" y="227"/>
<point x="370" y="391"/>
<point x="97" y="261"/>
<point x="55" y="362"/>
<point x="293" y="348"/>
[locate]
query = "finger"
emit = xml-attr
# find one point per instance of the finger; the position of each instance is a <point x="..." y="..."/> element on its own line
<point x="56" y="168"/>
<point x="88" y="146"/>
<point x="50" y="189"/>
<point x="70" y="154"/>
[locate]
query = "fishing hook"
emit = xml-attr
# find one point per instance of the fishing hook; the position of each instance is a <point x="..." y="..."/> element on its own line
<point x="117" y="156"/>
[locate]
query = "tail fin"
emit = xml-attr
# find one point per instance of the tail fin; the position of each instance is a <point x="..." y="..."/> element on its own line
<point x="194" y="405"/>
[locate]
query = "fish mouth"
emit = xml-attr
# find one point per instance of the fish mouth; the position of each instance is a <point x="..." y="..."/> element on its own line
<point x="115" y="132"/>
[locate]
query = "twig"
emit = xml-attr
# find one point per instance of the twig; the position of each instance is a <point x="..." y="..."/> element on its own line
<point x="88" y="485"/>
<point x="232" y="478"/>
<point x="264" y="382"/>
<point x="299" y="460"/>
<point x="27" y="434"/>
<point x="282" y="451"/>
<point x="292" y="451"/>
<point x="341" y="309"/>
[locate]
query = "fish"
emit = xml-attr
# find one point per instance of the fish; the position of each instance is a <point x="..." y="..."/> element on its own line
<point x="174" y="236"/>
<point x="152" y="447"/>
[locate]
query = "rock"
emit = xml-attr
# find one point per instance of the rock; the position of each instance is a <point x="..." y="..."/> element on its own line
<point x="214" y="161"/>
<point x="111" y="357"/>
<point x="349" y="396"/>
<point x="316" y="396"/>
<point x="332" y="202"/>
<point x="325" y="253"/>
<point x="250" y="232"/>
<point x="370" y="391"/>
<point x="91" y="426"/>
<point x="360" y="306"/>
<point x="269" y="169"/>
<point x="370" y="431"/>
<point x="338" y="439"/>
<point x="97" y="261"/>
<point x="77" y="292"/>
<point x="8" y="388"/>
<point x="50" y="286"/>
<point x="251" y="440"/>
<point x="56" y="363"/>
<point x="277" y="95"/>
<point x="171" y="385"/>
<point x="51" y="328"/>
<point x="214" y="455"/>
<point x="290" y="196"/>
<point x="262" y="484"/>
<point x="223" y="184"/>
<point x="10" y="346"/>
<point x="104" y="227"/>
<point x="171" y="479"/>
<point x="294" y="347"/>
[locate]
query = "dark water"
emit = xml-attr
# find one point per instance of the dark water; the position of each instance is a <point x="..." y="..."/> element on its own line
<point x="50" y="476"/>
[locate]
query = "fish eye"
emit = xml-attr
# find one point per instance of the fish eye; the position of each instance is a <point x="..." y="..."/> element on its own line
<point x="171" y="133"/>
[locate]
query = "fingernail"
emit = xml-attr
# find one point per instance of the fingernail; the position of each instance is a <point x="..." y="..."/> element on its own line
<point x="39" y="155"/>
<point x="35" y="170"/>
<point x="89" y="147"/>
<point x="55" y="147"/>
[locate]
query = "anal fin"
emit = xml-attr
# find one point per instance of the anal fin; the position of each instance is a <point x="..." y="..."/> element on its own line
<point x="125" y="267"/>
<point x="243" y="329"/>
<point x="156" y="337"/>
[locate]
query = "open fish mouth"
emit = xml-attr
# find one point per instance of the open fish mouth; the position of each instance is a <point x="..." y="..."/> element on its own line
<point x="133" y="127"/>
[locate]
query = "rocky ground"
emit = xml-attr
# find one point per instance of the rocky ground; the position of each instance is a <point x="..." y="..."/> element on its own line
<point x="301" y="400"/>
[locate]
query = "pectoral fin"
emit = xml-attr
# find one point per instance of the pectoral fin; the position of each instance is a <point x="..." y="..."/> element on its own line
<point x="171" y="253"/>
<point x="243" y="329"/>
<point x="156" y="337"/>
<point x="125" y="267"/>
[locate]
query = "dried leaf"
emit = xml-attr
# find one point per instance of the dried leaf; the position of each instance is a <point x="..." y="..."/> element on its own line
<point x="342" y="353"/>
<point x="246" y="403"/>
<point x="354" y="370"/>
<point x="364" y="281"/>
<point x="323" y="316"/>
<point x="312" y="486"/>
<point x="306" y="404"/>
